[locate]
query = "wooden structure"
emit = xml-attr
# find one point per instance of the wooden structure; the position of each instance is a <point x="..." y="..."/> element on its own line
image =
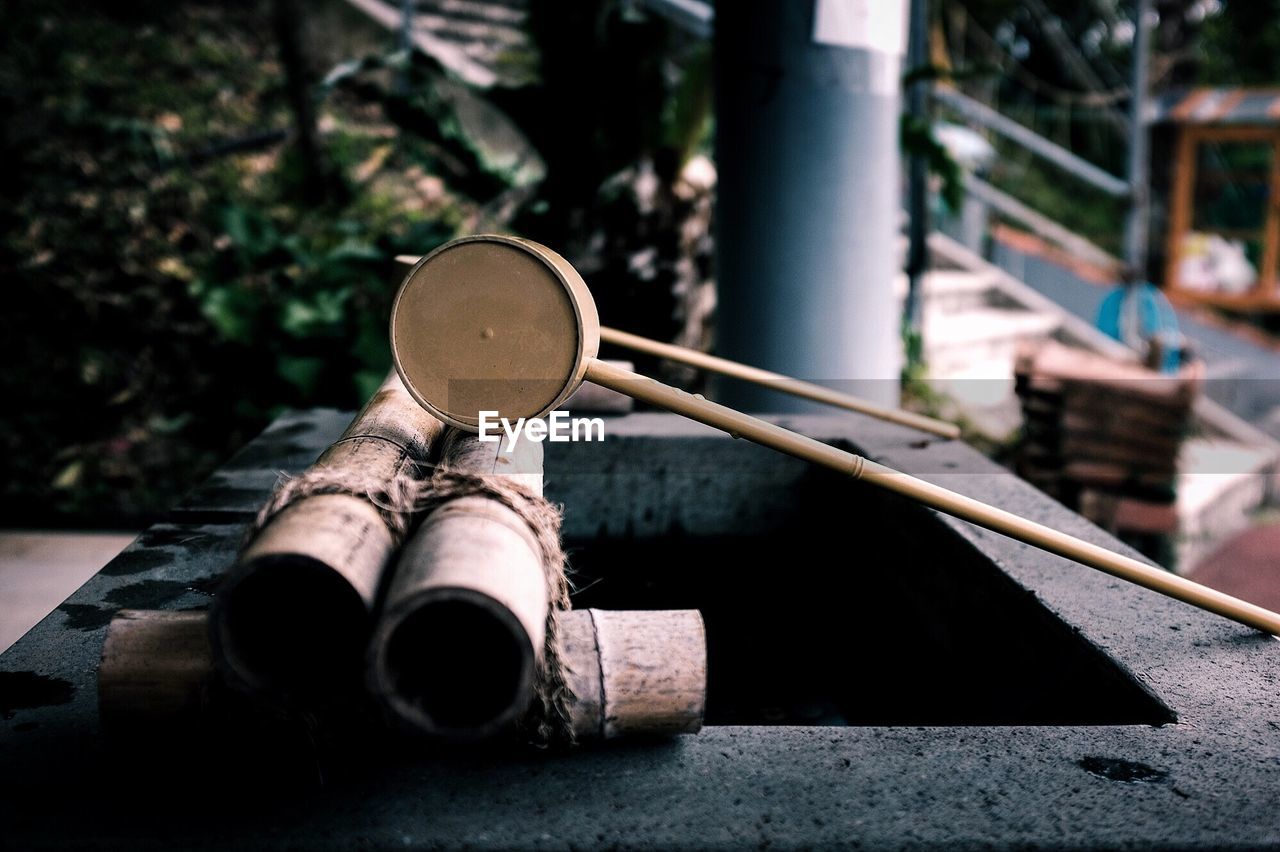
<point x="1104" y="438"/>
<point x="1223" y="237"/>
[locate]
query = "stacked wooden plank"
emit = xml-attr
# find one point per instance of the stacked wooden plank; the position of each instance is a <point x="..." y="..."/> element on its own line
<point x="1104" y="437"/>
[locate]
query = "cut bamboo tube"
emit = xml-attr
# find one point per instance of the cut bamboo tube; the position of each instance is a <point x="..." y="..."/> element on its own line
<point x="458" y="642"/>
<point x="764" y="378"/>
<point x="291" y="620"/>
<point x="156" y="671"/>
<point x="632" y="673"/>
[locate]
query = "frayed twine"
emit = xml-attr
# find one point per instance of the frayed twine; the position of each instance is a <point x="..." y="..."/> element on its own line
<point x="396" y="499"/>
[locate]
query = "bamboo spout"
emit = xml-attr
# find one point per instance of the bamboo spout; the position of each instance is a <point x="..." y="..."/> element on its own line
<point x="460" y="636"/>
<point x="291" y="619"/>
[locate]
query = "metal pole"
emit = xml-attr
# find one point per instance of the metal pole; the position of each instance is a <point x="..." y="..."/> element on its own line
<point x="918" y="176"/>
<point x="985" y="116"/>
<point x="1135" y="231"/>
<point x="807" y="108"/>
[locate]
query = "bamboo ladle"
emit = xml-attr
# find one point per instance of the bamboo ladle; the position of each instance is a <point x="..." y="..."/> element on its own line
<point x="503" y="325"/>
<point x="764" y="378"/>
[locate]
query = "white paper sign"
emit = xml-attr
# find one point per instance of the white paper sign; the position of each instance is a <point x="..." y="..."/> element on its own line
<point x="879" y="25"/>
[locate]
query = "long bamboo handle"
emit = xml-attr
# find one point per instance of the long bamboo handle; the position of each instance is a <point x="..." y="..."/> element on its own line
<point x="777" y="381"/>
<point x="965" y="508"/>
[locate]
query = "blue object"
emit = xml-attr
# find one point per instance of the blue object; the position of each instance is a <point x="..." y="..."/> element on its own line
<point x="1138" y="315"/>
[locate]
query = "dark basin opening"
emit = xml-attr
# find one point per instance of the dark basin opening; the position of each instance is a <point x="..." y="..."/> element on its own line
<point x="863" y="609"/>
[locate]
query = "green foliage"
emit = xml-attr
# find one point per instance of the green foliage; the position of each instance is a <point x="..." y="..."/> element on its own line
<point x="1231" y="42"/>
<point x="309" y="296"/>
<point x="616" y="85"/>
<point x="432" y="115"/>
<point x="913" y="367"/>
<point x="162" y="306"/>
<point x="1062" y="197"/>
<point x="686" y="120"/>
<point x="1241" y="44"/>
<point x="171" y="288"/>
<point x="916" y="139"/>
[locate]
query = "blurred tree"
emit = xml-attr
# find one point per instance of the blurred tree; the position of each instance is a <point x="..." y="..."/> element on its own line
<point x="168" y="291"/>
<point x="620" y="107"/>
<point x="1064" y="70"/>
<point x="318" y="180"/>
<point x="1241" y="44"/>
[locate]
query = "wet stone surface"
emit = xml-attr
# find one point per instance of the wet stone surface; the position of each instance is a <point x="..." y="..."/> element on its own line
<point x="882" y="676"/>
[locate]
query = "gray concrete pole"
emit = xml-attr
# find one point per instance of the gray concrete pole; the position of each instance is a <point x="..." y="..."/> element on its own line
<point x="917" y="169"/>
<point x="1136" y="226"/>
<point x="807" y="109"/>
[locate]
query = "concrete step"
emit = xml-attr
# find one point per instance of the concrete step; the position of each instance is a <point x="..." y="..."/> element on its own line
<point x="950" y="291"/>
<point x="970" y="356"/>
<point x="40" y="569"/>
<point x="1221" y="484"/>
<point x="1225" y="475"/>
<point x="955" y="291"/>
<point x="983" y="393"/>
<point x="955" y="343"/>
